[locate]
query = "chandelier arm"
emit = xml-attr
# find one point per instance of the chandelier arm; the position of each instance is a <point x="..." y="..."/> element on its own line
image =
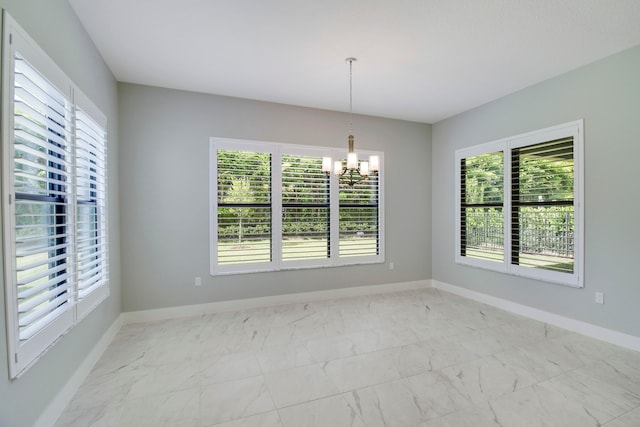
<point x="347" y="176"/>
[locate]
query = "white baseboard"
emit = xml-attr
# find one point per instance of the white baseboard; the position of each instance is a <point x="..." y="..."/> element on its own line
<point x="584" y="328"/>
<point x="249" y="303"/>
<point x="65" y="394"/>
<point x="60" y="402"/>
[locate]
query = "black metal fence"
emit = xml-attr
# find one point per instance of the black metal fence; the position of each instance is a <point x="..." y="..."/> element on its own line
<point x="541" y="232"/>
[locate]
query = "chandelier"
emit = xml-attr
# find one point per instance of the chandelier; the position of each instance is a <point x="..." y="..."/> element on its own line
<point x="353" y="171"/>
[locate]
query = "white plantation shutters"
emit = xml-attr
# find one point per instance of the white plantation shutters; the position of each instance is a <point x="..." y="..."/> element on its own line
<point x="273" y="208"/>
<point x="482" y="207"/>
<point x="520" y="205"/>
<point x="305" y="209"/>
<point x="359" y="219"/>
<point x="91" y="204"/>
<point x="542" y="200"/>
<point x="43" y="129"/>
<point x="91" y="248"/>
<point x="243" y="207"/>
<point x="54" y="210"/>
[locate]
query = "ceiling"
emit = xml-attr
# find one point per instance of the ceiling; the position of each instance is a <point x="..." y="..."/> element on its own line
<point x="419" y="60"/>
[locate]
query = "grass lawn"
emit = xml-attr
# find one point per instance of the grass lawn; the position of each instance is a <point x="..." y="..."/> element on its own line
<point x="547" y="262"/>
<point x="234" y="252"/>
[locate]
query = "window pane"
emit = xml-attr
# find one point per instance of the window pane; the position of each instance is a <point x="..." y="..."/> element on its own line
<point x="305" y="208"/>
<point x="484" y="233"/>
<point x="546" y="237"/>
<point x="483" y="179"/>
<point x="482" y="211"/>
<point x="542" y="217"/>
<point x="544" y="172"/>
<point x="244" y="207"/>
<point x="359" y="212"/>
<point x="244" y="177"/>
<point x="91" y="254"/>
<point x="41" y="264"/>
<point x="91" y="226"/>
<point x="244" y="235"/>
<point x="42" y="133"/>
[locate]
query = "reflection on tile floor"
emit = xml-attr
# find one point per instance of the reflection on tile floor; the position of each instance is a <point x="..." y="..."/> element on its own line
<point x="414" y="358"/>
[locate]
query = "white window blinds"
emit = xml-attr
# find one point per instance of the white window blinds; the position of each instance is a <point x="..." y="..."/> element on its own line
<point x="54" y="212"/>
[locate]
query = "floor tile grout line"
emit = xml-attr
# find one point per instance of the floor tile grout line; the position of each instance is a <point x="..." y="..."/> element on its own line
<point x="381" y="317"/>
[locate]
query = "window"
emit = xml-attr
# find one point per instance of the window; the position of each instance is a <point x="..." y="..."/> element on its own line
<point x="305" y="209"/>
<point x="273" y="208"/>
<point x="244" y="207"/>
<point x="359" y="218"/>
<point x="54" y="210"/>
<point x="482" y="206"/>
<point x="520" y="205"/>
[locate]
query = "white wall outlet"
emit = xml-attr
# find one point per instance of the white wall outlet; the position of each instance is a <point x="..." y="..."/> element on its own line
<point x="599" y="297"/>
<point x="198" y="281"/>
<point x="392" y="265"/>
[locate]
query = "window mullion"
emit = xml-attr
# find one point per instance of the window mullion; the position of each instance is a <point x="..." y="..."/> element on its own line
<point x="334" y="203"/>
<point x="276" y="208"/>
<point x="508" y="245"/>
<point x="462" y="209"/>
<point x="514" y="210"/>
<point x="72" y="210"/>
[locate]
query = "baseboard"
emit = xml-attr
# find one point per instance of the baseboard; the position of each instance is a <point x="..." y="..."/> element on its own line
<point x="249" y="303"/>
<point x="60" y="402"/>
<point x="584" y="328"/>
<point x="66" y="393"/>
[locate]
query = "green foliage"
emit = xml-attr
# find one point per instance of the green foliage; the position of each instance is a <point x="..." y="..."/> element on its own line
<point x="484" y="178"/>
<point x="244" y="178"/>
<point x="538" y="178"/>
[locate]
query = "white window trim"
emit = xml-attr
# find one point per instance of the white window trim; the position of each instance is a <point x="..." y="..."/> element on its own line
<point x="24" y="355"/>
<point x="277" y="264"/>
<point x="575" y="129"/>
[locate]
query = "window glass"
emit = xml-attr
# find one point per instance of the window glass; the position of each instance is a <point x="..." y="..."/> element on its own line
<point x="305" y="209"/>
<point x="359" y="226"/>
<point x="542" y="205"/>
<point x="244" y="207"/>
<point x="482" y="213"/>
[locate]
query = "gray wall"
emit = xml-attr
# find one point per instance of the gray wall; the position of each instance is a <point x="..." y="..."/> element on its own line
<point x="165" y="194"/>
<point x="607" y="95"/>
<point x="55" y="27"/>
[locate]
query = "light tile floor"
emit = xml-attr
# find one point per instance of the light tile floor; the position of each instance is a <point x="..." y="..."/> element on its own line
<point x="416" y="358"/>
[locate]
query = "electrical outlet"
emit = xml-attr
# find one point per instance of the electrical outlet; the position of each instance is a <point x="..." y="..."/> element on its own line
<point x="392" y="265"/>
<point x="198" y="281"/>
<point x="599" y="297"/>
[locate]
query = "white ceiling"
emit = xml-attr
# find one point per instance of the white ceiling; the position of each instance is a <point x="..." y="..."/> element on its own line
<point x="420" y="60"/>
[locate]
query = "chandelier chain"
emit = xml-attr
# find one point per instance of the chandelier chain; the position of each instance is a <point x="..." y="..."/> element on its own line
<point x="351" y="95"/>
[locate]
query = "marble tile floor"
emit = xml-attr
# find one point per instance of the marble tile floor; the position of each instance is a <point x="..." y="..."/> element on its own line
<point x="414" y="358"/>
